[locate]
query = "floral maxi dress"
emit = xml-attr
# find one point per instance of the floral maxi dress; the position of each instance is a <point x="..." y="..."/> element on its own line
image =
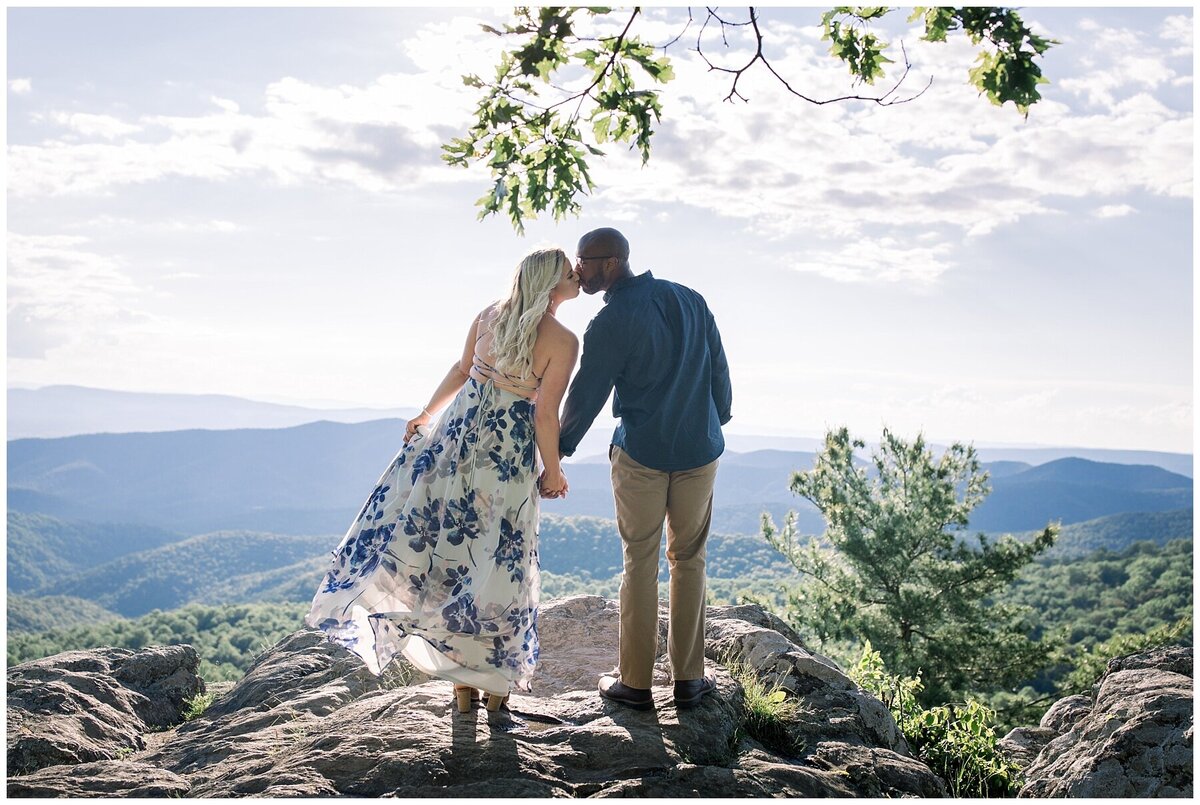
<point x="441" y="564"/>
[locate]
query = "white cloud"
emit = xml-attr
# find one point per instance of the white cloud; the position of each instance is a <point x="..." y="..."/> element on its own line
<point x="212" y="225"/>
<point x="1173" y="414"/>
<point x="884" y="259"/>
<point x="1114" y="211"/>
<point x="20" y="86"/>
<point x="947" y="164"/>
<point x="382" y="137"/>
<point x="191" y="225"/>
<point x="1100" y="86"/>
<point x="61" y="292"/>
<point x="1120" y="61"/>
<point x="104" y="126"/>
<point x="1178" y="29"/>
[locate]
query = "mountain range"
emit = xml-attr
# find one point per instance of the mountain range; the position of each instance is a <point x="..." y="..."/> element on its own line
<point x="54" y="411"/>
<point x="312" y="479"/>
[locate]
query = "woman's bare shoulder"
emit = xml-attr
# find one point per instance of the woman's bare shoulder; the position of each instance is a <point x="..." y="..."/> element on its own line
<point x="555" y="332"/>
<point x="488" y="313"/>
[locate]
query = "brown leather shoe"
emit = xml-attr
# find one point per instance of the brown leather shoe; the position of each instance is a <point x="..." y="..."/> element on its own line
<point x="615" y="690"/>
<point x="689" y="692"/>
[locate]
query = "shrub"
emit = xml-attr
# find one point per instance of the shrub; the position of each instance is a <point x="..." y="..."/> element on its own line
<point x="957" y="741"/>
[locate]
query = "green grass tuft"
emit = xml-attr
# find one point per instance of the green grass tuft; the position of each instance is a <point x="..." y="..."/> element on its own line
<point x="197" y="705"/>
<point x="769" y="709"/>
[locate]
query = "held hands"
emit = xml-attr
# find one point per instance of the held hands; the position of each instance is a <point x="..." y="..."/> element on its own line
<point x="552" y="483"/>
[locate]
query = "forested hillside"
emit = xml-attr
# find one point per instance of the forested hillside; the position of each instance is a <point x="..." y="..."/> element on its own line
<point x="226" y="638"/>
<point x="1109" y="592"/>
<point x="44" y="550"/>
<point x="182" y="572"/>
<point x="1118" y="531"/>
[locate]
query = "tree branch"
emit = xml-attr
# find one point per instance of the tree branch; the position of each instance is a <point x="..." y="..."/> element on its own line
<point x="881" y="100"/>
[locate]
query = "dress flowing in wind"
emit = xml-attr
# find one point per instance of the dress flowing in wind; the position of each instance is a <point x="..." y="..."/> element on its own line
<point x="441" y="564"/>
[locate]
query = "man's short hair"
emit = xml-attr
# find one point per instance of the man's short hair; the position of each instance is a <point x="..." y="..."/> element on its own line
<point x="608" y="240"/>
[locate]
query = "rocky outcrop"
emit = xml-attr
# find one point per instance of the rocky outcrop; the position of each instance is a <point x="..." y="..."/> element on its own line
<point x="308" y="719"/>
<point x="104" y="778"/>
<point x="1065" y="713"/>
<point x="1131" y="738"/>
<point x="83" y="706"/>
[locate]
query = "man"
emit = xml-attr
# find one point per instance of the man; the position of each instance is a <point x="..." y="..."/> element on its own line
<point x="656" y="342"/>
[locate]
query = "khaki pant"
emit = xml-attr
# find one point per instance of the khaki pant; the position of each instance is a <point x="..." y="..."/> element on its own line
<point x="645" y="498"/>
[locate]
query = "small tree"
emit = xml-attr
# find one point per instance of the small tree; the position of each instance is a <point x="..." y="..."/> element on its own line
<point x="897" y="569"/>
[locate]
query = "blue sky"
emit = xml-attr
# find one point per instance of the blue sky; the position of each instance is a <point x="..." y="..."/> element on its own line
<point x="251" y="202"/>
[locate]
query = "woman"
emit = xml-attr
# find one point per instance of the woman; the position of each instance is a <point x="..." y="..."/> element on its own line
<point x="441" y="563"/>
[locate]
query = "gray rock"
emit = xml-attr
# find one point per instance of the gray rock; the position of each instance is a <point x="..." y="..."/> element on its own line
<point x="1065" y="713"/>
<point x="832" y="707"/>
<point x="84" y="706"/>
<point x="1023" y="744"/>
<point x="1136" y="739"/>
<point x="1176" y="659"/>
<point x="309" y="720"/>
<point x="102" y="778"/>
<point x="310" y="672"/>
<point x="578" y="643"/>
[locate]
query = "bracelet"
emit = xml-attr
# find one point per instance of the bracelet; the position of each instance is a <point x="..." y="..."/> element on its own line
<point x="427" y="412"/>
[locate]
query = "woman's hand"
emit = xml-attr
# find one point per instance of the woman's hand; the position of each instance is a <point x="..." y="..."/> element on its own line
<point x="410" y="429"/>
<point x="553" y="483"/>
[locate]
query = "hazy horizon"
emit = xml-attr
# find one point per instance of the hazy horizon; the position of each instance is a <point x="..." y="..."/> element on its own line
<point x="604" y="423"/>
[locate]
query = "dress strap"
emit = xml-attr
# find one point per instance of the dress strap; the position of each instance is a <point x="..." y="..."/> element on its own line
<point x="492" y="372"/>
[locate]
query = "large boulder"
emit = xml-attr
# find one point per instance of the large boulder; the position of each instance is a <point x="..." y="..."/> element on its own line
<point x="84" y="706"/>
<point x="309" y="720"/>
<point x="1131" y="738"/>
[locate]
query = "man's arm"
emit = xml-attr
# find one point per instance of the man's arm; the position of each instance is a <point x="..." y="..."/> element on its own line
<point x="599" y="367"/>
<point x="722" y="391"/>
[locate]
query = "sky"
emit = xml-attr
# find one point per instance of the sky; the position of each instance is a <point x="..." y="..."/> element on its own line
<point x="252" y="202"/>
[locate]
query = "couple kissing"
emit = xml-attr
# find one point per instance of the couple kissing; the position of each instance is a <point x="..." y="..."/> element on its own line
<point x="441" y="564"/>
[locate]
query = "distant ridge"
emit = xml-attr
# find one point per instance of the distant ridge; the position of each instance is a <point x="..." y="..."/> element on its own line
<point x="312" y="479"/>
<point x="1180" y="463"/>
<point x="55" y="411"/>
<point x="65" y="410"/>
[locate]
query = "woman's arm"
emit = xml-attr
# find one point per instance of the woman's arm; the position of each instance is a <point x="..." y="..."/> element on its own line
<point x="451" y="383"/>
<point x="545" y="417"/>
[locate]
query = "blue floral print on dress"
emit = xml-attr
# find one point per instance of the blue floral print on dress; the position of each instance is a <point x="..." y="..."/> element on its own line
<point x="447" y="538"/>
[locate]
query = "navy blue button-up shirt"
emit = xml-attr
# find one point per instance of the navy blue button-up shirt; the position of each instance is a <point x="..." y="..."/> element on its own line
<point x="656" y="342"/>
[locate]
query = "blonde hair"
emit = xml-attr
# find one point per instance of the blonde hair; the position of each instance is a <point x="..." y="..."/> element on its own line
<point x="514" y="328"/>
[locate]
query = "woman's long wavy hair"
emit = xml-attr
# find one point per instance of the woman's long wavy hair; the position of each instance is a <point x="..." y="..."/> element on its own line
<point x="514" y="329"/>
